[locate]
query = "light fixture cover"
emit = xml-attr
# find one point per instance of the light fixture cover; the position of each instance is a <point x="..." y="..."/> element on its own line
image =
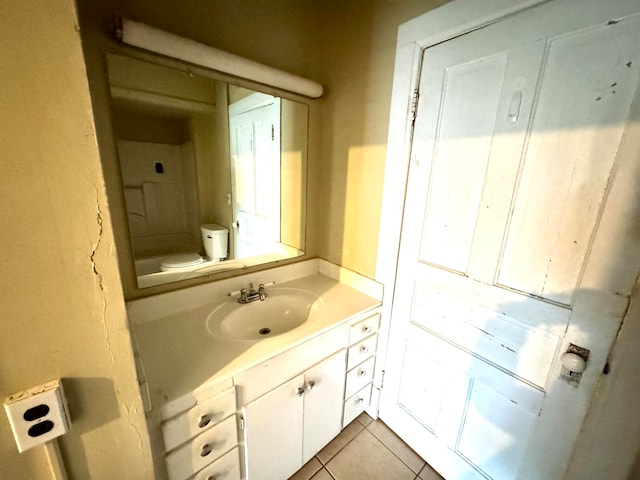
<point x="149" y="38"/>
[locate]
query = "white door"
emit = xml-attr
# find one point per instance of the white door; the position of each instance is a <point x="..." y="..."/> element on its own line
<point x="254" y="130"/>
<point x="514" y="238"/>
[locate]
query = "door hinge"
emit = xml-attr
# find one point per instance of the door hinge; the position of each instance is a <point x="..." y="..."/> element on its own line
<point x="414" y="105"/>
<point x="381" y="379"/>
<point x="273" y="133"/>
<point x="242" y="424"/>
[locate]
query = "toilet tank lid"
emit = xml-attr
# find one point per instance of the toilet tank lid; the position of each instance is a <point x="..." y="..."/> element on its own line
<point x="213" y="227"/>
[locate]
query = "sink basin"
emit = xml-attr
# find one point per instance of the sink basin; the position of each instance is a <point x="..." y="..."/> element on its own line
<point x="283" y="310"/>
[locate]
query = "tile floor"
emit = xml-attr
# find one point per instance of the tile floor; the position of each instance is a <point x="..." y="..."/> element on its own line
<point x="366" y="450"/>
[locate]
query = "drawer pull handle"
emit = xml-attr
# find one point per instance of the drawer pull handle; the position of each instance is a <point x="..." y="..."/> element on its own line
<point x="206" y="450"/>
<point x="204" y="420"/>
<point x="366" y="329"/>
<point x="359" y="401"/>
<point x="211" y="477"/>
<point x="362" y="373"/>
<point x="310" y="385"/>
<point x="364" y="349"/>
<point x="300" y="391"/>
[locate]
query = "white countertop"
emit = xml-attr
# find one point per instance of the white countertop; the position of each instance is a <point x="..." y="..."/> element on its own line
<point x="179" y="355"/>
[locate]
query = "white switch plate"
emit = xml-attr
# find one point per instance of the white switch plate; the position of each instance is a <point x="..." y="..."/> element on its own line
<point x="38" y="415"/>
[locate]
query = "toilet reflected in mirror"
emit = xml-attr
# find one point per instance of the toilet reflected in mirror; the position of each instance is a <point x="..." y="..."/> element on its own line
<point x="215" y="240"/>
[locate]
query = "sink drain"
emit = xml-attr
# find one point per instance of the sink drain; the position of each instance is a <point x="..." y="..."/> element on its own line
<point x="264" y="331"/>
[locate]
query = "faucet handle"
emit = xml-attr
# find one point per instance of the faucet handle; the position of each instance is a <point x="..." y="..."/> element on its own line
<point x="262" y="292"/>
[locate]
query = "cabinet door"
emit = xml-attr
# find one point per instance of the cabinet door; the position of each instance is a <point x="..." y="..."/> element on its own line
<point x="323" y="402"/>
<point x="274" y="432"/>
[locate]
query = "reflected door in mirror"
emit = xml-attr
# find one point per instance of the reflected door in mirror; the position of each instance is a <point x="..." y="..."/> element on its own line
<point x="254" y="129"/>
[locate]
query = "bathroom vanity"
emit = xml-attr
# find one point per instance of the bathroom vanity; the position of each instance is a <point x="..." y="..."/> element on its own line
<point x="255" y="390"/>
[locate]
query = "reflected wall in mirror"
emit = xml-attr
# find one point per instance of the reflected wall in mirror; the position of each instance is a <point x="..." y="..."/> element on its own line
<point x="214" y="175"/>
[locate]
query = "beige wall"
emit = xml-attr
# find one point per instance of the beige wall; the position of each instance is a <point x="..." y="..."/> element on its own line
<point x="214" y="172"/>
<point x="293" y="160"/>
<point x="62" y="305"/>
<point x="143" y="128"/>
<point x="359" y="54"/>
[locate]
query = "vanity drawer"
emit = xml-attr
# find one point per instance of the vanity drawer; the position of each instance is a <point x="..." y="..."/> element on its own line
<point x="198" y="419"/>
<point x="356" y="404"/>
<point x="364" y="328"/>
<point x="199" y="395"/>
<point x="359" y="352"/>
<point x="226" y="467"/>
<point x="202" y="450"/>
<point x="359" y="377"/>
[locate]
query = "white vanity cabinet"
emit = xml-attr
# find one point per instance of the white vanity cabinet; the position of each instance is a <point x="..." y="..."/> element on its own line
<point x="289" y="407"/>
<point x="287" y="426"/>
<point x="229" y="408"/>
<point x="290" y="416"/>
<point x="363" y="338"/>
<point x="203" y="440"/>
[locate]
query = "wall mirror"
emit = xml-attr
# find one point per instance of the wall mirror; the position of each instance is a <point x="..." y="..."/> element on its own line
<point x="213" y="174"/>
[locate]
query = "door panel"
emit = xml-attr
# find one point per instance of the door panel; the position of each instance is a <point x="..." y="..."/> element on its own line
<point x="504" y="210"/>
<point x="526" y="351"/>
<point x="469" y="407"/>
<point x="422" y="385"/>
<point x="268" y="170"/>
<point x="244" y="168"/>
<point x="471" y="92"/>
<point x="491" y="432"/>
<point x="584" y="101"/>
<point x="432" y="393"/>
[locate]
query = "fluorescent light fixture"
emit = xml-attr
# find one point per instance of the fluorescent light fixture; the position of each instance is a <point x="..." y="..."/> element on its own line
<point x="149" y="38"/>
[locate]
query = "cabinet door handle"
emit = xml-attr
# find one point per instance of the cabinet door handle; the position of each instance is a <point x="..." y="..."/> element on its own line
<point x="300" y="391"/>
<point x="211" y="477"/>
<point x="205" y="450"/>
<point x="310" y="385"/>
<point x="204" y="420"/>
<point x="366" y="329"/>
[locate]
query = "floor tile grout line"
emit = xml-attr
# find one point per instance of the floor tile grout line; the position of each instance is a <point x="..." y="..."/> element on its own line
<point x="392" y="452"/>
<point x="328" y="472"/>
<point x="341" y="448"/>
<point x="324" y="465"/>
<point x="336" y="454"/>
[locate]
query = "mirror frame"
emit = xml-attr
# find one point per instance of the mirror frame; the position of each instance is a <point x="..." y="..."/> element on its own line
<point x="96" y="44"/>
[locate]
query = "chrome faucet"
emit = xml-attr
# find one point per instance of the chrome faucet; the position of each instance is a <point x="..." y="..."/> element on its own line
<point x="251" y="295"/>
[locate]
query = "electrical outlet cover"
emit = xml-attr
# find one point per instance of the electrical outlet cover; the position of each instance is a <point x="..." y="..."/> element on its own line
<point x="38" y="414"/>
